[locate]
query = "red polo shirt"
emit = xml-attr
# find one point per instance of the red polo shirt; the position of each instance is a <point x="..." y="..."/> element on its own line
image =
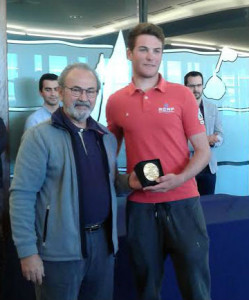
<point x="156" y="124"/>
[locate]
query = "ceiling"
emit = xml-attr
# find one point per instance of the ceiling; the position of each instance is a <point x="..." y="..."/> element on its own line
<point x="208" y="22"/>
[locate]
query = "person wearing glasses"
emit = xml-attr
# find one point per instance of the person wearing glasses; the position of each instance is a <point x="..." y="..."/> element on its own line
<point x="48" y="88"/>
<point x="63" y="205"/>
<point x="208" y="112"/>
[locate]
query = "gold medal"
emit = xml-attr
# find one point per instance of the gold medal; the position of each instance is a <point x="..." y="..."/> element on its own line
<point x="151" y="171"/>
<point x="148" y="171"/>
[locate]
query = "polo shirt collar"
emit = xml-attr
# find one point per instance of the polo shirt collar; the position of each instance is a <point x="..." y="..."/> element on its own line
<point x="161" y="86"/>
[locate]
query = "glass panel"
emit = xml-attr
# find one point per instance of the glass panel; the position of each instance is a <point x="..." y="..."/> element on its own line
<point x="87" y="36"/>
<point x="82" y="59"/>
<point x="94" y="38"/>
<point x="233" y="104"/>
<point x="57" y="64"/>
<point x="174" y="73"/>
<point x="38" y="63"/>
<point x="12" y="74"/>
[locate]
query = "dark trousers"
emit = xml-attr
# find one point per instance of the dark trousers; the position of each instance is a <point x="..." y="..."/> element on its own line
<point x="177" y="229"/>
<point x="88" y="279"/>
<point x="206" y="182"/>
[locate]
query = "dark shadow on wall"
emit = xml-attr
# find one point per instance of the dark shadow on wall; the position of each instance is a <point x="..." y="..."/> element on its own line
<point x="26" y="92"/>
<point x="16" y="122"/>
<point x="22" y="100"/>
<point x="13" y="285"/>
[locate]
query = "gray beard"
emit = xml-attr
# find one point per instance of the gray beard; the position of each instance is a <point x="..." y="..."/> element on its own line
<point x="77" y="116"/>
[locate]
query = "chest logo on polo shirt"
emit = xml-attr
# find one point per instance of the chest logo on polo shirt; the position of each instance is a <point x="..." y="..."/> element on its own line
<point x="166" y="109"/>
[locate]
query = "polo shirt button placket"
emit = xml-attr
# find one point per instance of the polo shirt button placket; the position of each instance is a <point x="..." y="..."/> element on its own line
<point x="146" y="103"/>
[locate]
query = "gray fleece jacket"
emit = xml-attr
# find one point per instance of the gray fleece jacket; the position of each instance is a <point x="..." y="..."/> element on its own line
<point x="44" y="206"/>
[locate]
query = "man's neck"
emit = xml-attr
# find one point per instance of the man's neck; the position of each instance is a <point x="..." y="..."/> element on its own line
<point x="79" y="124"/>
<point x="145" y="84"/>
<point x="51" y="108"/>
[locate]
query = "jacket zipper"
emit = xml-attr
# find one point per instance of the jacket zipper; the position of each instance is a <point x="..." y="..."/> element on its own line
<point x="45" y="226"/>
<point x="82" y="140"/>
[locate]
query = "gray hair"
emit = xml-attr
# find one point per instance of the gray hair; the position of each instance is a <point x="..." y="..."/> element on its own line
<point x="64" y="73"/>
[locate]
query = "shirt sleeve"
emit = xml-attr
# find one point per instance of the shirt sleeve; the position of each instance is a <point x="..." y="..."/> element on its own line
<point x="193" y="124"/>
<point x="30" y="122"/>
<point x="112" y="120"/>
<point x="218" y="128"/>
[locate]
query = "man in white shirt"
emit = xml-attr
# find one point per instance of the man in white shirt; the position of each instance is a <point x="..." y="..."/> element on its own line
<point x="48" y="87"/>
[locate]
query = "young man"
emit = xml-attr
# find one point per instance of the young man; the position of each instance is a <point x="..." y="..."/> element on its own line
<point x="62" y="204"/>
<point x="206" y="179"/>
<point x="157" y="118"/>
<point x="48" y="87"/>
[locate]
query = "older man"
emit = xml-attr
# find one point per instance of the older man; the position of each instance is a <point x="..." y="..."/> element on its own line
<point x="63" y="205"/>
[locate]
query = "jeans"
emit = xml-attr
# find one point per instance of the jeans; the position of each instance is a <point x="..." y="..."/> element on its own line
<point x="87" y="279"/>
<point x="176" y="229"/>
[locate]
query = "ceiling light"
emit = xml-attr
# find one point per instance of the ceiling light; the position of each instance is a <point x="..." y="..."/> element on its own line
<point x="55" y="36"/>
<point x="75" y="17"/>
<point x="53" y="32"/>
<point x="63" y="34"/>
<point x="16" y="32"/>
<point x="15" y="27"/>
<point x="239" y="51"/>
<point x="243" y="53"/>
<point x="59" y="42"/>
<point x="102" y="31"/>
<point x="193" y="46"/>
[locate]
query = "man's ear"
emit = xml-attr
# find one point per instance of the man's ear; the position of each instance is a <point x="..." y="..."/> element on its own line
<point x="129" y="54"/>
<point x="60" y="91"/>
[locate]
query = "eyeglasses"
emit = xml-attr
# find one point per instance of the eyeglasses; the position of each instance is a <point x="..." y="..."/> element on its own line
<point x="77" y="91"/>
<point x="192" y="86"/>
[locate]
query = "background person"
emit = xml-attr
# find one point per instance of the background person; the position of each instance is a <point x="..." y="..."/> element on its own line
<point x="206" y="179"/>
<point x="157" y="118"/>
<point x="48" y="88"/>
<point x="63" y="205"/>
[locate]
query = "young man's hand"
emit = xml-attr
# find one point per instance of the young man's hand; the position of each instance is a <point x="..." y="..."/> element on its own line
<point x="166" y="183"/>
